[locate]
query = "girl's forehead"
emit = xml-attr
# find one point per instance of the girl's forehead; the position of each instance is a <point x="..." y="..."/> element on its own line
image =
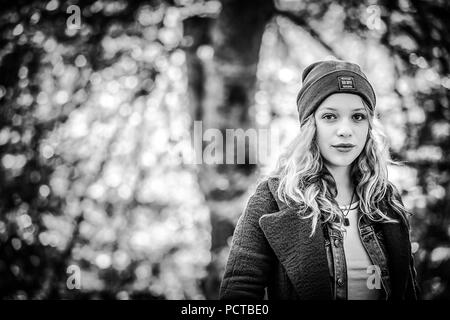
<point x="342" y="102"/>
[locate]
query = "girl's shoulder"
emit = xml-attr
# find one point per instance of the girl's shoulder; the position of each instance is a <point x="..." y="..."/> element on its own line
<point x="393" y="205"/>
<point x="266" y="191"/>
<point x="261" y="200"/>
<point x="267" y="186"/>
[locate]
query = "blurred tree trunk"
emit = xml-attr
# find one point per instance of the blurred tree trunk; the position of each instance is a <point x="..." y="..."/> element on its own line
<point x="222" y="56"/>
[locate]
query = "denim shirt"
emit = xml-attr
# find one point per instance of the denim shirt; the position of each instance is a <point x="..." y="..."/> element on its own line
<point x="372" y="240"/>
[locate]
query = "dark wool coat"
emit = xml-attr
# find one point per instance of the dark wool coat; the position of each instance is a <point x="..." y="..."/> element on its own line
<point x="273" y="256"/>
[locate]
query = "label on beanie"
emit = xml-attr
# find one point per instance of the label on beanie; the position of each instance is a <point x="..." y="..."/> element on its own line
<point x="346" y="82"/>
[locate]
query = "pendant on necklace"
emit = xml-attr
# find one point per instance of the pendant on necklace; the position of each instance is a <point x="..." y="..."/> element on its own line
<point x="346" y="222"/>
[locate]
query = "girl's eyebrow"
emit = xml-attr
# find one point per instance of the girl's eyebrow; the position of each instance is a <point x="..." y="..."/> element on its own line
<point x="357" y="109"/>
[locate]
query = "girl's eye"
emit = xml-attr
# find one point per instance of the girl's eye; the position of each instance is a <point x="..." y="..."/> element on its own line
<point x="328" y="116"/>
<point x="360" y="116"/>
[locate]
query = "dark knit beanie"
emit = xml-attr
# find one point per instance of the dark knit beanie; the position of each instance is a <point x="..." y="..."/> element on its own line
<point x="324" y="78"/>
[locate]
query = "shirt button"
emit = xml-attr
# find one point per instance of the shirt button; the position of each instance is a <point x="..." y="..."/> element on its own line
<point x="340" y="282"/>
<point x="336" y="243"/>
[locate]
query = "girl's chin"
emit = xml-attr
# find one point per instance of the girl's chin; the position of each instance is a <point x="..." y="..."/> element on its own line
<point x="343" y="163"/>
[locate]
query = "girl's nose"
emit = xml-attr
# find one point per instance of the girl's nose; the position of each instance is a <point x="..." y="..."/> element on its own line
<point x="344" y="129"/>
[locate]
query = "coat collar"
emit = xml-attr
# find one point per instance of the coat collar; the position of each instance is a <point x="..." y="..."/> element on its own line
<point x="305" y="259"/>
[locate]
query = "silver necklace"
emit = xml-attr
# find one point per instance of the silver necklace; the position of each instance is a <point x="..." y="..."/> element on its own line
<point x="346" y="221"/>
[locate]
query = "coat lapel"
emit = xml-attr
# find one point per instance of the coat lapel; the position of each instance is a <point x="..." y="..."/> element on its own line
<point x="303" y="257"/>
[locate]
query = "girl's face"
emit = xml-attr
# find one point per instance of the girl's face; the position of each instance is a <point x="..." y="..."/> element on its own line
<point x="341" y="119"/>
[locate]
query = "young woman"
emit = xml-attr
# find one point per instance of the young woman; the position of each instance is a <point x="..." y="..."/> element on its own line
<point x="328" y="224"/>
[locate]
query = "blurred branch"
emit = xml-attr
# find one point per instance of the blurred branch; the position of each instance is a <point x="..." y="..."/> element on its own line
<point x="59" y="269"/>
<point x="304" y="24"/>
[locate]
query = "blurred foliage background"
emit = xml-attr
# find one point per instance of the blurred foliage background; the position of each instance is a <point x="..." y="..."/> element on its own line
<point x="96" y="127"/>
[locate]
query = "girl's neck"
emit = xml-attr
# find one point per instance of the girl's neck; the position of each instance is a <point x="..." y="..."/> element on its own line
<point x="344" y="184"/>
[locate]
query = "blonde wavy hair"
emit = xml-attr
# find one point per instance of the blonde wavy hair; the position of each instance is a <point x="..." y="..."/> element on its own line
<point x="305" y="181"/>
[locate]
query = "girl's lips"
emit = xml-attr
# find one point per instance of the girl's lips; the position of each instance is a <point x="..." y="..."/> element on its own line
<point x="343" y="149"/>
